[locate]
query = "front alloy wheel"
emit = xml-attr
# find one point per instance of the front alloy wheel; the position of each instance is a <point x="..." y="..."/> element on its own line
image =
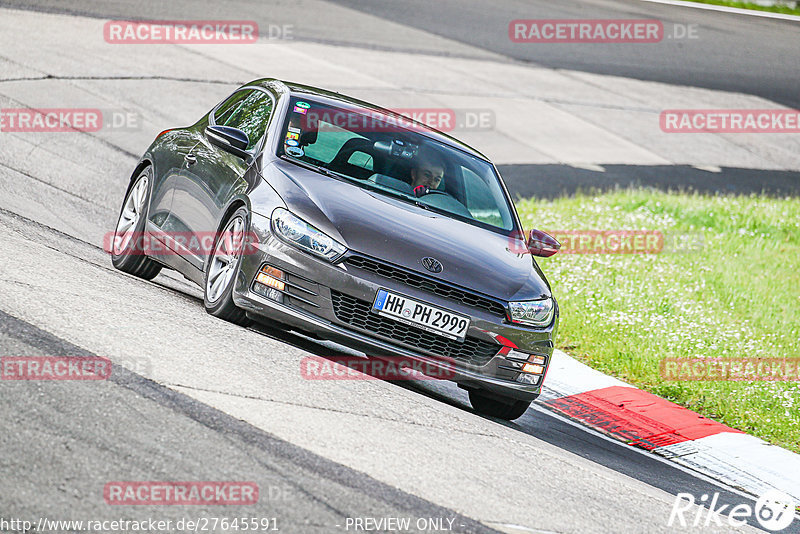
<point x="128" y="250"/>
<point x="223" y="266"/>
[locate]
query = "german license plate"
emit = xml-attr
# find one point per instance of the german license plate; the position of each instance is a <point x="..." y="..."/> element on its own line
<point x="415" y="313"/>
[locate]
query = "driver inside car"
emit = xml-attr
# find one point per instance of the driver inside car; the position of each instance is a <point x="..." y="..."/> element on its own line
<point x="427" y="173"/>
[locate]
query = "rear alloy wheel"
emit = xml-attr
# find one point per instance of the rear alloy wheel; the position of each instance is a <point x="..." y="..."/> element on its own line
<point x="223" y="266"/>
<point x="128" y="254"/>
<point x="509" y="410"/>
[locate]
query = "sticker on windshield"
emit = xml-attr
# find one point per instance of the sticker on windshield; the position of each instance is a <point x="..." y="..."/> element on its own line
<point x="293" y="129"/>
<point x="294" y="151"/>
<point x="292" y="142"/>
<point x="291" y="135"/>
<point x="298" y="109"/>
<point x="303" y="105"/>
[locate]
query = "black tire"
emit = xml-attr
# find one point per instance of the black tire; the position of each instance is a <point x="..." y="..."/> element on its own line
<point x="221" y="305"/>
<point x="128" y="256"/>
<point x="509" y="409"/>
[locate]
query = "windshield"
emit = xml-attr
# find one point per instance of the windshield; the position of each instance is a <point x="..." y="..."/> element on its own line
<point x="386" y="154"/>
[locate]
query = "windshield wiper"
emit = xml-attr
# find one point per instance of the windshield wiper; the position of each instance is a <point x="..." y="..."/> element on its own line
<point x="327" y="172"/>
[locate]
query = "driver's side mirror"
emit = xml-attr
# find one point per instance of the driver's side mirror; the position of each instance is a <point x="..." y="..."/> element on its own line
<point x="229" y="139"/>
<point x="542" y="244"/>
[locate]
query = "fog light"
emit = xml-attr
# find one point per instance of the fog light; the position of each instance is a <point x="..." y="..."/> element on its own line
<point x="525" y="357"/>
<point x="517" y="355"/>
<point x="271" y="277"/>
<point x="528" y="379"/>
<point x="274" y="294"/>
<point x="270" y="282"/>
<point x="533" y="368"/>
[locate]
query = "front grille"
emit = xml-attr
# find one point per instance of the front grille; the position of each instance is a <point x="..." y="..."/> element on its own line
<point x="437" y="288"/>
<point x="356" y="313"/>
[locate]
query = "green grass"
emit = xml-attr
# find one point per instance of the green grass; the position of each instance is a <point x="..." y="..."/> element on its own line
<point x="737" y="297"/>
<point x="749" y="5"/>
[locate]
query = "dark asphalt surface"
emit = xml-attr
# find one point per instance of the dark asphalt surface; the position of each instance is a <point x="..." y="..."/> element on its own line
<point x="556" y="430"/>
<point x="747" y="54"/>
<point x="130" y="428"/>
<point x="61" y="442"/>
<point x="730" y="53"/>
<point x="78" y="436"/>
<point x="552" y="181"/>
<point x="738" y="53"/>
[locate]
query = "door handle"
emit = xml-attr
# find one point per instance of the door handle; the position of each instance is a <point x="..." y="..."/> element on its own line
<point x="190" y="159"/>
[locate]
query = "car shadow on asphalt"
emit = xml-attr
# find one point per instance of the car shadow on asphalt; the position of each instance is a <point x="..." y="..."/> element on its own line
<point x="440" y="390"/>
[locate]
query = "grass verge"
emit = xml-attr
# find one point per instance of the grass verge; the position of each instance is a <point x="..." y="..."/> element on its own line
<point x="736" y="295"/>
<point x="749" y="5"/>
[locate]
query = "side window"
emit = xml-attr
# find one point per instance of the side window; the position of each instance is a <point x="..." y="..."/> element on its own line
<point x="229" y="106"/>
<point x="250" y="114"/>
<point x="480" y="201"/>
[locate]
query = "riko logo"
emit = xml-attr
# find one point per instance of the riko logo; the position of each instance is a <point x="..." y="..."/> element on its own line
<point x="774" y="511"/>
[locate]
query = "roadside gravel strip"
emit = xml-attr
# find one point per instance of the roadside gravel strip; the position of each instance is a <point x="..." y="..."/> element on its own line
<point x="652" y="423"/>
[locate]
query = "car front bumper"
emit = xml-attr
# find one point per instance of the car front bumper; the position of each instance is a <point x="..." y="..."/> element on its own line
<point x="313" y="304"/>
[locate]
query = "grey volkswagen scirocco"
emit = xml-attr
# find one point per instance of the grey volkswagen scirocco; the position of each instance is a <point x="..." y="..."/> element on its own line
<point x="308" y="210"/>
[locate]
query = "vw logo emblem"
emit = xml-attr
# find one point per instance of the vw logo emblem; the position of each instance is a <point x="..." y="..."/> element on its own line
<point x="432" y="264"/>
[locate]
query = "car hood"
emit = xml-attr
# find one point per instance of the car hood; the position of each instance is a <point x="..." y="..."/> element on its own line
<point x="401" y="233"/>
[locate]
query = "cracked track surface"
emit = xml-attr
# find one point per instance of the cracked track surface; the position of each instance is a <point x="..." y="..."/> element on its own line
<point x="63" y="290"/>
<point x="203" y="399"/>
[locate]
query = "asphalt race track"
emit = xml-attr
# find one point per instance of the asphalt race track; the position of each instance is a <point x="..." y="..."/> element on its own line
<point x="196" y="398"/>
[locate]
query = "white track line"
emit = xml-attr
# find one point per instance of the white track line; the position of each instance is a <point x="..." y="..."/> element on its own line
<point x="688" y="470"/>
<point x="734" y="459"/>
<point x="726" y="9"/>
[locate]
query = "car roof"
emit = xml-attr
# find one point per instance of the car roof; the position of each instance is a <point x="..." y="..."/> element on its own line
<point x="334" y="98"/>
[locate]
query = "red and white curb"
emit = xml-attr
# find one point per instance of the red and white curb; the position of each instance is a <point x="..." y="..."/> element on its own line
<point x="645" y="420"/>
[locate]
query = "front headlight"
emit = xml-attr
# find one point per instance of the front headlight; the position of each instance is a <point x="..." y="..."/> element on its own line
<point x="299" y="233"/>
<point x="532" y="312"/>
